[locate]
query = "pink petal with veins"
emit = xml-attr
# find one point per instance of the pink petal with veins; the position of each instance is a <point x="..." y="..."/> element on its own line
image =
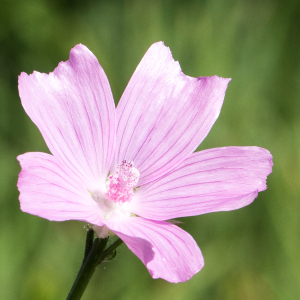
<point x="164" y="115"/>
<point x="74" y="110"/>
<point x="212" y="180"/>
<point x="48" y="189"/>
<point x="147" y="144"/>
<point x="167" y="251"/>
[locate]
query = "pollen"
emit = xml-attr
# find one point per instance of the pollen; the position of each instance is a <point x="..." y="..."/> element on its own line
<point x="122" y="183"/>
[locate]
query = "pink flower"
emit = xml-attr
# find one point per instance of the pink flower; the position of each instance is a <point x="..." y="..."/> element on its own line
<point x="131" y="168"/>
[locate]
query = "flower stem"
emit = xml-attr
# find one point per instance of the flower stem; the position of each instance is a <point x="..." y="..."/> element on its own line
<point x="110" y="250"/>
<point x="87" y="269"/>
<point x="89" y="242"/>
<point x="94" y="255"/>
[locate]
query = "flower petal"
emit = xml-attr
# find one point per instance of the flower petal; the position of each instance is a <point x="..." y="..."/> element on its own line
<point x="212" y="180"/>
<point x="164" y="115"/>
<point x="167" y="251"/>
<point x="74" y="109"/>
<point x="51" y="191"/>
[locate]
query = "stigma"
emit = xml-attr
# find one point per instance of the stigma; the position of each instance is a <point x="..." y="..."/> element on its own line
<point x="121" y="184"/>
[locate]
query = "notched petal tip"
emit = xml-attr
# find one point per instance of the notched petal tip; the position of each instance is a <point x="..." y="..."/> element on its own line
<point x="268" y="156"/>
<point x="219" y="83"/>
<point x="164" y="115"/>
<point x="80" y="50"/>
<point x="21" y="76"/>
<point x="74" y="110"/>
<point x="159" y="44"/>
<point x="22" y="83"/>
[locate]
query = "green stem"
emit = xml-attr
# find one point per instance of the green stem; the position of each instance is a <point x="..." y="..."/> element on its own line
<point x="89" y="242"/>
<point x="87" y="269"/>
<point x="95" y="256"/>
<point x="110" y="250"/>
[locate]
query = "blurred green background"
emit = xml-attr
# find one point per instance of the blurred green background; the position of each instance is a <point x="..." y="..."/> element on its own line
<point x="251" y="253"/>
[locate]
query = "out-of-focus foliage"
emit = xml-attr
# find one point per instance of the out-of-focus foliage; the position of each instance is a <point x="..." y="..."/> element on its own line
<point x="252" y="253"/>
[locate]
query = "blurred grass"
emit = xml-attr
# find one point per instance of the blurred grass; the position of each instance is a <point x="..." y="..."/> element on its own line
<point x="252" y="253"/>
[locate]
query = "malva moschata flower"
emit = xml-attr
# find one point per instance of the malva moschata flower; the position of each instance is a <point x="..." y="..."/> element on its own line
<point x="132" y="168"/>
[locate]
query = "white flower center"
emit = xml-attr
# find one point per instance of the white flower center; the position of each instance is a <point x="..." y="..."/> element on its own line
<point x="115" y="202"/>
